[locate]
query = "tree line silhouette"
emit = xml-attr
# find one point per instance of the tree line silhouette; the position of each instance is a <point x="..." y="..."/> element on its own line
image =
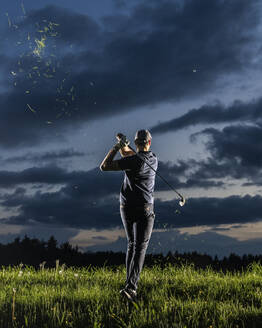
<point x="35" y="252"/>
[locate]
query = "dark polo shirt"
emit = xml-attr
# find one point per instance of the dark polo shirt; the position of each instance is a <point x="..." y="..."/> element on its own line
<point x="139" y="181"/>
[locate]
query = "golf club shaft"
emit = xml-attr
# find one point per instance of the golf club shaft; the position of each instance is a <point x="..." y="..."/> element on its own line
<point x="160" y="176"/>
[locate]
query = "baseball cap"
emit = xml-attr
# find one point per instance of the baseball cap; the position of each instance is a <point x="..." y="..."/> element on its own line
<point x="143" y="136"/>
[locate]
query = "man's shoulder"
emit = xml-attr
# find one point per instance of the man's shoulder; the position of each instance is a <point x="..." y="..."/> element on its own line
<point x="154" y="154"/>
<point x="129" y="158"/>
<point x="129" y="162"/>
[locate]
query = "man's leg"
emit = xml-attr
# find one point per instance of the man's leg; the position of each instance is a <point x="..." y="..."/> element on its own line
<point x="129" y="230"/>
<point x="143" y="230"/>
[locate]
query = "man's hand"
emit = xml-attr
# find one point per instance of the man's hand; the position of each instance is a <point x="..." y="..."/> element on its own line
<point x="125" y="151"/>
<point x="119" y="136"/>
<point x="122" y="141"/>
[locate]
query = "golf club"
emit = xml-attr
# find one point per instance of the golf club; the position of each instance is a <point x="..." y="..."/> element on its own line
<point x="182" y="199"/>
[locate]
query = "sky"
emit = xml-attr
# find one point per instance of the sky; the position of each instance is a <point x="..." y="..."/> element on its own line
<point x="73" y="74"/>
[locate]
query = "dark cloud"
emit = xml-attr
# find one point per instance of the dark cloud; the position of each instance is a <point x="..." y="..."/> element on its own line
<point x="145" y="58"/>
<point x="58" y="208"/>
<point x="187" y="174"/>
<point x="90" y="184"/>
<point x="83" y="182"/>
<point x="235" y="152"/>
<point x="45" y="156"/>
<point x="120" y="4"/>
<point x="174" y="169"/>
<point x="232" y="152"/>
<point x="211" y="211"/>
<point x="78" y="194"/>
<point x="219" y="170"/>
<point x="200" y="183"/>
<point x="220" y="229"/>
<point x="99" y="238"/>
<point x="236" y="142"/>
<point x="49" y="175"/>
<point x="213" y="114"/>
<point x="93" y="205"/>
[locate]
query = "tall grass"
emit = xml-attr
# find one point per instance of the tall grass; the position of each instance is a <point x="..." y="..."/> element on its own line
<point x="170" y="297"/>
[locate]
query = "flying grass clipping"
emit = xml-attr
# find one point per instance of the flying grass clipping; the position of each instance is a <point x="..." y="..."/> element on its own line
<point x="39" y="72"/>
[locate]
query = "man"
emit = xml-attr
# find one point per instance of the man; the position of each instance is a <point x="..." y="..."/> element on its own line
<point x="136" y="201"/>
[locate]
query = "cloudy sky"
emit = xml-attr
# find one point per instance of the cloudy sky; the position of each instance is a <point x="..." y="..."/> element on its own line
<point x="75" y="73"/>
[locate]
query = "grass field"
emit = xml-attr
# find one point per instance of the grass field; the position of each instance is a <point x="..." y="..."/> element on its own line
<point x="169" y="297"/>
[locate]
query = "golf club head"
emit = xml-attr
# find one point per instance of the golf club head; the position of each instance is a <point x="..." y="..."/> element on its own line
<point x="182" y="201"/>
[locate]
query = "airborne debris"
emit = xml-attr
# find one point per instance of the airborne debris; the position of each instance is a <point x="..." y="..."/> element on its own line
<point x="23" y="8"/>
<point x="40" y="45"/>
<point x="9" y="21"/>
<point x="32" y="110"/>
<point x="45" y="70"/>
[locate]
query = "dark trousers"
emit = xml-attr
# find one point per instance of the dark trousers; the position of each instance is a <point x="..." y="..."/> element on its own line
<point x="138" y="223"/>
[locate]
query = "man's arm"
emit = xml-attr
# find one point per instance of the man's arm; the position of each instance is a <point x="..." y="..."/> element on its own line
<point x="126" y="151"/>
<point x="108" y="164"/>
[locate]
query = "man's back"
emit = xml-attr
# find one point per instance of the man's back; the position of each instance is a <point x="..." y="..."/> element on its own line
<point x="139" y="181"/>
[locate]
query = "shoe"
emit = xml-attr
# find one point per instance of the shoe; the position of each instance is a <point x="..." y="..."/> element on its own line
<point x="129" y="293"/>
